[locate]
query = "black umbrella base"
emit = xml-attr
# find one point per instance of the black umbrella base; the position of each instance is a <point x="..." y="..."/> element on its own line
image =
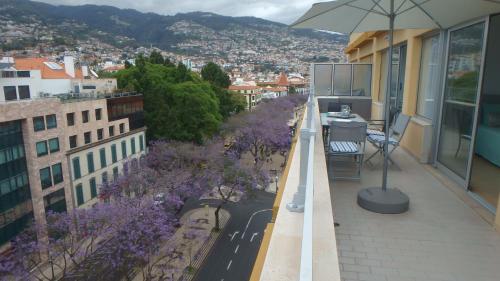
<point x="390" y="201"/>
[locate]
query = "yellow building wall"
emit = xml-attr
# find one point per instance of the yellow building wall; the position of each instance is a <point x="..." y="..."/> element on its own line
<point x="372" y="47"/>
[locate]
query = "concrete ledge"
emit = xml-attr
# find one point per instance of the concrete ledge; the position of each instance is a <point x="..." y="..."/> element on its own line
<point x="282" y="261"/>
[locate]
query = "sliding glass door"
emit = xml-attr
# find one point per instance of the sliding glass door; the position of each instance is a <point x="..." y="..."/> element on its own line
<point x="462" y="84"/>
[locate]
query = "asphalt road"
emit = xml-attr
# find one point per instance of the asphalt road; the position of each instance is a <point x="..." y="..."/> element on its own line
<point x="233" y="255"/>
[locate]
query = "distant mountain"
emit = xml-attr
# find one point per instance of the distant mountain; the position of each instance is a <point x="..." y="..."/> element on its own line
<point x="126" y="26"/>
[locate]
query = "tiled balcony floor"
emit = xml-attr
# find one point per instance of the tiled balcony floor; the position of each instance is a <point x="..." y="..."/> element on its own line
<point x="439" y="238"/>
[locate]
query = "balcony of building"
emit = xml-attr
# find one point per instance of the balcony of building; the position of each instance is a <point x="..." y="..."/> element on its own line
<point x="445" y="235"/>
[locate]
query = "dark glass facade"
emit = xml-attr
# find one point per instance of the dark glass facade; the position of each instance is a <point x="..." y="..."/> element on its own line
<point x="130" y="107"/>
<point x="16" y="209"/>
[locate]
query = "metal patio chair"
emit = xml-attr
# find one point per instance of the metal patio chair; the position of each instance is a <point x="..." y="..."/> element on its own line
<point x="346" y="140"/>
<point x="396" y="133"/>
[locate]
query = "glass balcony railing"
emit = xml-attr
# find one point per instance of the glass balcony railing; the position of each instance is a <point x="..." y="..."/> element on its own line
<point x="342" y="79"/>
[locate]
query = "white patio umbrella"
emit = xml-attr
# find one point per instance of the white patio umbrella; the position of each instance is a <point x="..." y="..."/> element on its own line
<point x="348" y="16"/>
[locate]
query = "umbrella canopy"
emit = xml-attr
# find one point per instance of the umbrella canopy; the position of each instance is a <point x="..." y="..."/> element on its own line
<point x="348" y="16"/>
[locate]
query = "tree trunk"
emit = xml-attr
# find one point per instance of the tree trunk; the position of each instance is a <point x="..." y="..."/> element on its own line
<point x="217" y="219"/>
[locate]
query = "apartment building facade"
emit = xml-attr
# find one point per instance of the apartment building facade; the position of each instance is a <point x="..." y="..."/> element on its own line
<point x="24" y="78"/>
<point x="447" y="80"/>
<point x="253" y="94"/>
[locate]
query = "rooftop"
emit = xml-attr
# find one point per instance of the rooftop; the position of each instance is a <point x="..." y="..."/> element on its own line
<point x="44" y="65"/>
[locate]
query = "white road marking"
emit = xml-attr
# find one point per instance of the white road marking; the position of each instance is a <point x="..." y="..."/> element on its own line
<point x="229" y="265"/>
<point x="237" y="247"/>
<point x="253" y="235"/>
<point x="234" y="234"/>
<point x="250" y="220"/>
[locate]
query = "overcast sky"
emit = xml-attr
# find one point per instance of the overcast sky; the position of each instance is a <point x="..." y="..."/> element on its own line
<point x="285" y="11"/>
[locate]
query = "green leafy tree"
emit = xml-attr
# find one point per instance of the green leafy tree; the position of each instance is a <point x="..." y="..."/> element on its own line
<point x="229" y="102"/>
<point x="182" y="73"/>
<point x="212" y="73"/>
<point x="178" y="105"/>
<point x="156" y="58"/>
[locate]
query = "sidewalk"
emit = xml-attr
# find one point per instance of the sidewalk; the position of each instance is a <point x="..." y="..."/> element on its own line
<point x="193" y="240"/>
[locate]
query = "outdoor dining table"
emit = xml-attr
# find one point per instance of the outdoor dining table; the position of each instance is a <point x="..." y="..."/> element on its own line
<point x="327" y="117"/>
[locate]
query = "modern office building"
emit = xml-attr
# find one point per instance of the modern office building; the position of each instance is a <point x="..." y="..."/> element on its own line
<point x="56" y="150"/>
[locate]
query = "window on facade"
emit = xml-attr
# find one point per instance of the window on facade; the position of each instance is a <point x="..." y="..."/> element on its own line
<point x="87" y="137"/>
<point x="57" y="173"/>
<point x="45" y="177"/>
<point x="102" y="156"/>
<point x="24" y="92"/>
<point x="141" y="142"/>
<point x="38" y="123"/>
<point x="90" y="162"/>
<point x="76" y="168"/>
<point x="100" y="134"/>
<point x="113" y="153"/>
<point x="41" y="148"/>
<point x="23" y="74"/>
<point x="122" y="128"/>
<point x="111" y="131"/>
<point x="115" y="173"/>
<point x="72" y="141"/>
<point x="98" y="114"/>
<point x="12" y="153"/>
<point x="429" y="77"/>
<point x="54" y="145"/>
<point x="104" y="177"/>
<point x="8" y="74"/>
<point x="79" y="194"/>
<point x="70" y="118"/>
<point x="132" y="145"/>
<point x="10" y="92"/>
<point x="51" y="121"/>
<point x="89" y="87"/>
<point x="85" y="116"/>
<point x="124" y="150"/>
<point x="93" y="188"/>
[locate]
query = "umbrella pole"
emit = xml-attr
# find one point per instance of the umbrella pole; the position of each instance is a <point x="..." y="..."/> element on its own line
<point x="385" y="200"/>
<point x="387" y="103"/>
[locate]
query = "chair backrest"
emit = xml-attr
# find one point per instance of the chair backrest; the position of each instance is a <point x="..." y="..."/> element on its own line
<point x="400" y="125"/>
<point x="347" y="131"/>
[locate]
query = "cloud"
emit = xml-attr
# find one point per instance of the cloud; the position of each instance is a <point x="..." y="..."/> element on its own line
<point x="285" y="11"/>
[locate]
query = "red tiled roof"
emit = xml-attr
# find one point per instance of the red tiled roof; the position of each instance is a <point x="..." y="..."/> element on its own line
<point x="47" y="72"/>
<point x="114" y="68"/>
<point x="282" y="80"/>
